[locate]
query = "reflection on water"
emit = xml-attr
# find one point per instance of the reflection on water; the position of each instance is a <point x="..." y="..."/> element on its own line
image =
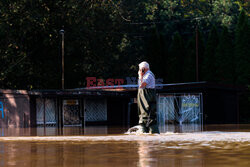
<point x="145" y="155"/>
<point x="183" y="128"/>
<point x="109" y="153"/>
<point x="104" y="130"/>
<point x="104" y="146"/>
<point x="66" y="131"/>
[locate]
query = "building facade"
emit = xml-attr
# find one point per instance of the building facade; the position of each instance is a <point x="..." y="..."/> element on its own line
<point x="177" y="104"/>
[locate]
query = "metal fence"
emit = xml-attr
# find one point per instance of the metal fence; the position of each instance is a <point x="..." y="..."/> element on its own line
<point x="180" y="112"/>
<point x="46" y="112"/>
<point x="72" y="114"/>
<point x="95" y="110"/>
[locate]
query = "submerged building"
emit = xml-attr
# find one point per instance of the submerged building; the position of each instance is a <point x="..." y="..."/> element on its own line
<point x="177" y="104"/>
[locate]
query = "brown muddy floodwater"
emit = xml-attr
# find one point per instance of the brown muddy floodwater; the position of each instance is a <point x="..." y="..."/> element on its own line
<point x="217" y="146"/>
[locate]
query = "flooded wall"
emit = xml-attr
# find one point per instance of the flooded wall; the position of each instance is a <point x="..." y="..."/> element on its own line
<point x="52" y="108"/>
<point x="14" y="108"/>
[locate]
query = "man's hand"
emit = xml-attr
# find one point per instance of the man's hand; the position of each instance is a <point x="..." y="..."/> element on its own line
<point x="143" y="85"/>
<point x="140" y="74"/>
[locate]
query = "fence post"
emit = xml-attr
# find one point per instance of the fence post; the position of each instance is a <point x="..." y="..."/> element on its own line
<point x="44" y="122"/>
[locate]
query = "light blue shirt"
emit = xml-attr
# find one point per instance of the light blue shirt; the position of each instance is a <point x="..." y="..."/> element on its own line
<point x="149" y="78"/>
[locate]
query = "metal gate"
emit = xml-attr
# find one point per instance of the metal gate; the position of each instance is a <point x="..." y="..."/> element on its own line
<point x="180" y="112"/>
<point x="71" y="113"/>
<point x="46" y="112"/>
<point x="95" y="110"/>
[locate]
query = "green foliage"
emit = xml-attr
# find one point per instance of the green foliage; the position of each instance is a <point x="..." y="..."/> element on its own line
<point x="157" y="54"/>
<point x="224" y="59"/>
<point x="107" y="39"/>
<point x="241" y="51"/>
<point x="190" y="61"/>
<point x="222" y="13"/>
<point x="208" y="65"/>
<point x="175" y="60"/>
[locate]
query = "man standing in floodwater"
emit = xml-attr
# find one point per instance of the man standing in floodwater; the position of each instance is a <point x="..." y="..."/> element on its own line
<point x="146" y="99"/>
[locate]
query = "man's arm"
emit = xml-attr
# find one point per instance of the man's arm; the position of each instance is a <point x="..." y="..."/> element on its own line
<point x="143" y="85"/>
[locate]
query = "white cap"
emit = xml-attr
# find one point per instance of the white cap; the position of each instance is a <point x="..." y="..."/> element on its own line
<point x="144" y="64"/>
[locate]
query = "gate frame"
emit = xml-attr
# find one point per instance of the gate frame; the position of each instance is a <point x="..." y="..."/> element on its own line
<point x="183" y="94"/>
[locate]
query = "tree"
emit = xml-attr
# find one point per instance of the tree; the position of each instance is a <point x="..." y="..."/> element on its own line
<point x="105" y="39"/>
<point x="156" y="54"/>
<point x="224" y="59"/>
<point x="189" y="61"/>
<point x="242" y="46"/>
<point x="208" y="65"/>
<point x="175" y="59"/>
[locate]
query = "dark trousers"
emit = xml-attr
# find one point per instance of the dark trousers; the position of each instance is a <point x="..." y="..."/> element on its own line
<point x="146" y="100"/>
<point x="151" y="129"/>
